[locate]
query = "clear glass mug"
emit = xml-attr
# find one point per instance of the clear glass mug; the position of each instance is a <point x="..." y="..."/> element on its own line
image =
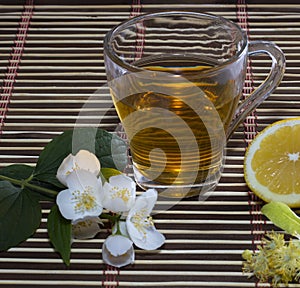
<point x="176" y="80"/>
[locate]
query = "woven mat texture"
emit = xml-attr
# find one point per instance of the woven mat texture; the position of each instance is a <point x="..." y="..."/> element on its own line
<point x="51" y="62"/>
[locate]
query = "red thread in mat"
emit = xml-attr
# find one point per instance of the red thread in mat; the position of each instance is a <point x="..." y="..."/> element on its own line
<point x="111" y="277"/>
<point x="14" y="61"/>
<point x="136" y="8"/>
<point x="250" y="131"/>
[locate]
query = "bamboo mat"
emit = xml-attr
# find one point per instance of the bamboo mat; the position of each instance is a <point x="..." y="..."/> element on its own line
<point x="51" y="62"/>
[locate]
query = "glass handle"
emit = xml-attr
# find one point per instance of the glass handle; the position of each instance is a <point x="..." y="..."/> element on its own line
<point x="267" y="87"/>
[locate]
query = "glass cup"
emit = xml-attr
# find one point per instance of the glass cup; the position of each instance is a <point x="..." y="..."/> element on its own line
<point x="176" y="80"/>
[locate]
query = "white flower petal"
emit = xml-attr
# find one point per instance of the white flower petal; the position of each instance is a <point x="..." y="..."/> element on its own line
<point x="80" y="179"/>
<point x="152" y="239"/>
<point x="87" y="161"/>
<point x="117" y="251"/>
<point x="119" y="193"/>
<point x="84" y="160"/>
<point x="136" y="233"/>
<point x="85" y="194"/>
<point x="122" y="180"/>
<point x="117" y="244"/>
<point x="65" y="205"/>
<point x="144" y="204"/>
<point x="87" y="228"/>
<point x="139" y="224"/>
<point x="65" y="168"/>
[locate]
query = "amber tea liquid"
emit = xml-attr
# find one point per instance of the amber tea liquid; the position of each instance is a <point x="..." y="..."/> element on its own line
<point x="157" y="123"/>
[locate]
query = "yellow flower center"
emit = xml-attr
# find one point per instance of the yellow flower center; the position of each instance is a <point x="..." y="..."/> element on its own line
<point x="122" y="193"/>
<point x="142" y="222"/>
<point x="76" y="167"/>
<point x="85" y="200"/>
<point x="82" y="225"/>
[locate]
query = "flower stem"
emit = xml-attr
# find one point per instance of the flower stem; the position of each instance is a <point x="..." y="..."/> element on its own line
<point x="112" y="218"/>
<point x="25" y="183"/>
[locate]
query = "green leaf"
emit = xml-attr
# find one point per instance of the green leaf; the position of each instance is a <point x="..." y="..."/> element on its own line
<point x="21" y="176"/>
<point x="51" y="157"/>
<point x="108" y="172"/>
<point x="41" y="189"/>
<point x="283" y="217"/>
<point x="20" y="215"/>
<point x="110" y="149"/>
<point x="60" y="233"/>
<point x="17" y="171"/>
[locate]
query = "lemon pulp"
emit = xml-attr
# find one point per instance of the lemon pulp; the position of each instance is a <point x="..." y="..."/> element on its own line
<point x="272" y="163"/>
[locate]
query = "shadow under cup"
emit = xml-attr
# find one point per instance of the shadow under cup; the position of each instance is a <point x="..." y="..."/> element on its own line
<point x="176" y="79"/>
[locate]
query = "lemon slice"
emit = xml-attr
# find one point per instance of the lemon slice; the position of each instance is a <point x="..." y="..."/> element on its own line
<point x="272" y="163"/>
